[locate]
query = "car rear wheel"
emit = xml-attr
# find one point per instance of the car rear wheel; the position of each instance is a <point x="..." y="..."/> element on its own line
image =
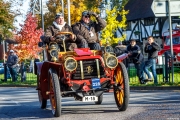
<point x="42" y="101"/>
<point x="100" y="99"/>
<point x="54" y="95"/>
<point x="121" y="89"/>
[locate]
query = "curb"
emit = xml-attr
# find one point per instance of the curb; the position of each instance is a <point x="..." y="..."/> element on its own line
<point x="17" y="85"/>
<point x="131" y="88"/>
<point x="155" y="88"/>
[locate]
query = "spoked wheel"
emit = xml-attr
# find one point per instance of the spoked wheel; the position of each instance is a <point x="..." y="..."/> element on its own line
<point x="55" y="96"/>
<point x="42" y="101"/>
<point x="121" y="89"/>
<point x="100" y="99"/>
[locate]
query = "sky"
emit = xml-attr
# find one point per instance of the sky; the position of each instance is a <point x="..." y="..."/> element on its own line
<point x="20" y="19"/>
<point x="24" y="9"/>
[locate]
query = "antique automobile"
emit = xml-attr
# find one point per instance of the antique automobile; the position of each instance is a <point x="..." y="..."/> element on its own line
<point x="83" y="74"/>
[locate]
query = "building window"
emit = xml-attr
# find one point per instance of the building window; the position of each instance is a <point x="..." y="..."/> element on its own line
<point x="149" y="21"/>
<point x="128" y="27"/>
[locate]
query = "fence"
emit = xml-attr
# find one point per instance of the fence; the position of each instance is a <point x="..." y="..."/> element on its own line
<point x="26" y="74"/>
<point x="161" y="75"/>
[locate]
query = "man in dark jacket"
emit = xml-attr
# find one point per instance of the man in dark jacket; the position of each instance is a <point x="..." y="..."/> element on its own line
<point x="86" y="31"/>
<point x="59" y="25"/>
<point x="12" y="65"/>
<point x="152" y="49"/>
<point x="136" y="56"/>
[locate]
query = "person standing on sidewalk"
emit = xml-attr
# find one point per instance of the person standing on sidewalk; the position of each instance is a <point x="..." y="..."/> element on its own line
<point x="135" y="54"/>
<point x="152" y="49"/>
<point x="12" y="65"/>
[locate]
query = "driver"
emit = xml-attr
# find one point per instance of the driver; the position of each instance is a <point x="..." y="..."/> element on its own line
<point x="59" y="25"/>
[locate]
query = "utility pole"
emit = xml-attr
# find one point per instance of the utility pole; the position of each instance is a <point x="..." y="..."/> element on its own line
<point x="62" y="5"/>
<point x="42" y="17"/>
<point x="69" y="16"/>
<point x="171" y="43"/>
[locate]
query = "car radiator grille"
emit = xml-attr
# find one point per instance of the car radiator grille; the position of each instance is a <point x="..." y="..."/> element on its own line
<point x="88" y="69"/>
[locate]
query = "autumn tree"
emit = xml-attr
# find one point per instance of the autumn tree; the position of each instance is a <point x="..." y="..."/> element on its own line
<point x="28" y="39"/>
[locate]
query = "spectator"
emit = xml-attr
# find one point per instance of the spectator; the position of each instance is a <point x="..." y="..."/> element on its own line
<point x="59" y="25"/>
<point x="136" y="56"/>
<point x="86" y="31"/>
<point x="12" y="65"/>
<point x="152" y="49"/>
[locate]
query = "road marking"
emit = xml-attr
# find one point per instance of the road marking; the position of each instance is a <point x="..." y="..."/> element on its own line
<point x="5" y="102"/>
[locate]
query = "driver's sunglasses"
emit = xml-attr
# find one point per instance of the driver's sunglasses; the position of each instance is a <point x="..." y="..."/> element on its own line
<point x="87" y="16"/>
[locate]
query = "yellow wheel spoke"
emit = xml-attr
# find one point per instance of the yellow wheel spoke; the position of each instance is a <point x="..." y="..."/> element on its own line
<point x="120" y="82"/>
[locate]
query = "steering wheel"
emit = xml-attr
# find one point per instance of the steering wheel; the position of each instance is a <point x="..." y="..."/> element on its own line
<point x="63" y="33"/>
<point x="63" y="36"/>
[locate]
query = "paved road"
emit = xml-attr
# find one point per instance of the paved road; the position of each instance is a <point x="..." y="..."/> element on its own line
<point x="22" y="103"/>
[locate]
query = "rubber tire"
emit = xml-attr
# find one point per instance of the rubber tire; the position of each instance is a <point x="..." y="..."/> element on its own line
<point x="100" y="99"/>
<point x="43" y="102"/>
<point x="122" y="103"/>
<point x="54" y="87"/>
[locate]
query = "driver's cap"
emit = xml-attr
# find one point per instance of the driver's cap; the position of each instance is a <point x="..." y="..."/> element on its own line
<point x="84" y="13"/>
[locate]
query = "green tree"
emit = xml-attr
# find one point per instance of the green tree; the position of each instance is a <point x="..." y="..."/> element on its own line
<point x="6" y="19"/>
<point x="9" y="9"/>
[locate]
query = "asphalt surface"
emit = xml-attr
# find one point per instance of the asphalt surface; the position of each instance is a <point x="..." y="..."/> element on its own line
<point x="20" y="103"/>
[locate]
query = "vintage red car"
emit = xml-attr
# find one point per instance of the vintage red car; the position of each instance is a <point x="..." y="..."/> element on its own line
<point x="83" y="74"/>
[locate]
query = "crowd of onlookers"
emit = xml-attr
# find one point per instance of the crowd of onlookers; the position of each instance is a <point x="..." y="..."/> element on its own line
<point x="135" y="55"/>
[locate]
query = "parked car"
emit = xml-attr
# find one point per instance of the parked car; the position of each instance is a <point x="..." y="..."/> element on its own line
<point x="2" y="70"/>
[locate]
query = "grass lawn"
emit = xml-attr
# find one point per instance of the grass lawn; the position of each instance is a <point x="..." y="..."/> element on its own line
<point x="31" y="79"/>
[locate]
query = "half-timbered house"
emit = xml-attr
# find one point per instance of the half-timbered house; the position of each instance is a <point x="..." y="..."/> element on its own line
<point x="143" y="22"/>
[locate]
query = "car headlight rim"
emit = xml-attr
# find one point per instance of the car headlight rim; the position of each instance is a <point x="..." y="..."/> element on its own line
<point x="108" y="49"/>
<point x="53" y="54"/>
<point x="112" y="60"/>
<point x="66" y="63"/>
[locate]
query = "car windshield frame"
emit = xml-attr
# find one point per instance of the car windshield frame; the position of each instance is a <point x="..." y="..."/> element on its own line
<point x="176" y="40"/>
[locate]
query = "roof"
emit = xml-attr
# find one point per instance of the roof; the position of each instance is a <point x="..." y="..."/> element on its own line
<point x="138" y="9"/>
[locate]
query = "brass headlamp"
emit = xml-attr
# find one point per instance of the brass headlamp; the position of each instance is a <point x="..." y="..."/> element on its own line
<point x="70" y="64"/>
<point x="53" y="51"/>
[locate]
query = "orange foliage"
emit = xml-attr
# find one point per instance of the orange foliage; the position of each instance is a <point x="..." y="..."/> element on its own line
<point x="28" y="38"/>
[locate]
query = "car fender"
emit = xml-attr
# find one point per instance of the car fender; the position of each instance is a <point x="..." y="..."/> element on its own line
<point x="38" y="67"/>
<point x="42" y="71"/>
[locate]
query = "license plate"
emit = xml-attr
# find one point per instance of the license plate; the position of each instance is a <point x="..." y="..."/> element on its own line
<point x="96" y="83"/>
<point x="89" y="98"/>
